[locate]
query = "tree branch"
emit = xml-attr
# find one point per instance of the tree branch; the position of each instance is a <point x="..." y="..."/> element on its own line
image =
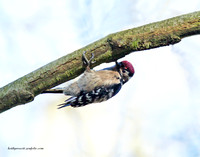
<point x="107" y="49"/>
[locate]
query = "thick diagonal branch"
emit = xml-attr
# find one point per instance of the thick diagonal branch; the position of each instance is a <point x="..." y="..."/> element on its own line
<point x="108" y="49"/>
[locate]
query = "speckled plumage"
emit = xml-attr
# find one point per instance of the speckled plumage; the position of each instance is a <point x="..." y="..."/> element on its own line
<point x="92" y="87"/>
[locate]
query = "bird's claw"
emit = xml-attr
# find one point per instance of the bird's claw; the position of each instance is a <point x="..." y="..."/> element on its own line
<point x="86" y="61"/>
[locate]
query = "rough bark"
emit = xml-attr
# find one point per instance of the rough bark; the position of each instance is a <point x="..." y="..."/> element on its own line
<point x="107" y="49"/>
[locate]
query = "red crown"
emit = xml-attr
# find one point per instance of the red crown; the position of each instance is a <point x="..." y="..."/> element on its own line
<point x="129" y="66"/>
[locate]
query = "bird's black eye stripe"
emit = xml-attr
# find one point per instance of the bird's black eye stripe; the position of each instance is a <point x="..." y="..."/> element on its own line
<point x="128" y="72"/>
<point x="125" y="70"/>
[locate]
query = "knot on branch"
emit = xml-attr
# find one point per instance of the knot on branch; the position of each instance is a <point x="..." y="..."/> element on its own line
<point x="14" y="98"/>
<point x="24" y="96"/>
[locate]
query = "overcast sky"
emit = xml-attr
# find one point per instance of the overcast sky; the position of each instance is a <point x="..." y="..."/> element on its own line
<point x="155" y="114"/>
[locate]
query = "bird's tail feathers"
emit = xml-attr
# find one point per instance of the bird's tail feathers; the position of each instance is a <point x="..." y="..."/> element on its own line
<point x="67" y="102"/>
<point x="71" y="99"/>
<point x="63" y="105"/>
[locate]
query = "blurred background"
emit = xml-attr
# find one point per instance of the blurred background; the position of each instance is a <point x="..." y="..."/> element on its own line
<point x="157" y="113"/>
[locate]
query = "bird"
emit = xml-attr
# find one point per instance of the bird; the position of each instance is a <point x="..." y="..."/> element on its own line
<point x="95" y="86"/>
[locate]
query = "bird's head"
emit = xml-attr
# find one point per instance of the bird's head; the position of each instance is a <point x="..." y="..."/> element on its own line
<point x="126" y="69"/>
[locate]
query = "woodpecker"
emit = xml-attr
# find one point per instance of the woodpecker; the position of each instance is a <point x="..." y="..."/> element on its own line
<point x="96" y="86"/>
